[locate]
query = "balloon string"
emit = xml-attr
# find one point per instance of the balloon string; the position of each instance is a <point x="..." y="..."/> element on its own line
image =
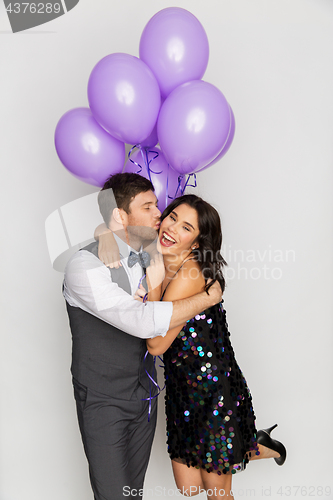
<point x="190" y="185"/>
<point x="151" y="379"/>
<point x="157" y="154"/>
<point x="130" y="151"/>
<point x="144" y="154"/>
<point x="135" y="163"/>
<point x="146" y="161"/>
<point x="180" y="178"/>
<point x="167" y="188"/>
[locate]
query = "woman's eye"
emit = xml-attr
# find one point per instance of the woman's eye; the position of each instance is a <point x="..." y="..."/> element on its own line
<point x="172" y="217"/>
<point x="185" y="227"/>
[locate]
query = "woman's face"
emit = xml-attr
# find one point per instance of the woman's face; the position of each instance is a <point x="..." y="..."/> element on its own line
<point x="179" y="231"/>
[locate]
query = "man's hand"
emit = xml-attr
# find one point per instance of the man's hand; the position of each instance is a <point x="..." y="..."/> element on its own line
<point x="215" y="292"/>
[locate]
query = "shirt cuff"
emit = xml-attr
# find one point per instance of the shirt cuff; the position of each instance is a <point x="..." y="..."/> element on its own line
<point x="162" y="317"/>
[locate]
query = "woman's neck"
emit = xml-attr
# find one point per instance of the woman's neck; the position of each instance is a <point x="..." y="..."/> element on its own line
<point x="172" y="262"/>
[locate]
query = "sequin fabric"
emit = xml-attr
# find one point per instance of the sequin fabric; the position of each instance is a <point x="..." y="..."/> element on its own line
<point x="210" y="419"/>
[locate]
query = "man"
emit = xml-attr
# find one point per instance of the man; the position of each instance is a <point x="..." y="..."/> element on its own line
<point x="109" y="366"/>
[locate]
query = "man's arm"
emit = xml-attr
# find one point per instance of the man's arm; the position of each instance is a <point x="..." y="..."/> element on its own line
<point x="185" y="309"/>
<point x="88" y="285"/>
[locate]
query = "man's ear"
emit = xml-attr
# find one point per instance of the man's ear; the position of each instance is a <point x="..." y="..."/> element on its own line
<point x="119" y="215"/>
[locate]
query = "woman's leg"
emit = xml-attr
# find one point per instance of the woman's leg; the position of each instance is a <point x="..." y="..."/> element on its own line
<point x="264" y="452"/>
<point x="191" y="481"/>
<point x="188" y="479"/>
<point x="218" y="487"/>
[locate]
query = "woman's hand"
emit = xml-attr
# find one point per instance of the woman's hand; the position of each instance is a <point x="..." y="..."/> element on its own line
<point x="140" y="293"/>
<point x="155" y="271"/>
<point x="108" y="251"/>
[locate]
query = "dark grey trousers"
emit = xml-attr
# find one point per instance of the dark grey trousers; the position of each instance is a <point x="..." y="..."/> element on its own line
<point x="117" y="440"/>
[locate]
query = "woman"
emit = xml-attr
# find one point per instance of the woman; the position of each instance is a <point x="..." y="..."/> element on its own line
<point x="210" y="419"/>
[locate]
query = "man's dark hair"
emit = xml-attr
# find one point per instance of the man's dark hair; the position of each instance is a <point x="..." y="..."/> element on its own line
<point x="119" y="190"/>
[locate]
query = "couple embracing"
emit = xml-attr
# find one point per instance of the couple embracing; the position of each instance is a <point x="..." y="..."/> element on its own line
<point x="166" y="300"/>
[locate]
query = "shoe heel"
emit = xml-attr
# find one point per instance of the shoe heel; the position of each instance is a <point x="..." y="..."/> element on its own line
<point x="270" y="429"/>
<point x="264" y="438"/>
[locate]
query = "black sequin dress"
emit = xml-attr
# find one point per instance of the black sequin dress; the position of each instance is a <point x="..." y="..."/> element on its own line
<point x="210" y="419"/>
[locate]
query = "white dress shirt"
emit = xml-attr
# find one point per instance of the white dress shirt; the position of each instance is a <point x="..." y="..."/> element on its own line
<point x="88" y="285"/>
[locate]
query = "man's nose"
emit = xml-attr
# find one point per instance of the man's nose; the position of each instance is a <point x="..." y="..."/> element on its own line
<point x="157" y="213"/>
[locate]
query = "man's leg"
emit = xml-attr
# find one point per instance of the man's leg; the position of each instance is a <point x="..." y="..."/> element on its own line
<point x="117" y="440"/>
<point x="141" y="435"/>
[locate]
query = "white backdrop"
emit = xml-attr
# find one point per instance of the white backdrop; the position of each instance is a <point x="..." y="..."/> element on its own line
<point x="273" y="61"/>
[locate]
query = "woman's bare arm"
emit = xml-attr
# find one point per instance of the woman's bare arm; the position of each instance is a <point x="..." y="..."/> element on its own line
<point x="187" y="283"/>
<point x="108" y="251"/>
<point x="155" y="275"/>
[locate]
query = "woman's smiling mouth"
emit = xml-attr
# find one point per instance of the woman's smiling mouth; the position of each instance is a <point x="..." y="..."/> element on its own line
<point x="166" y="240"/>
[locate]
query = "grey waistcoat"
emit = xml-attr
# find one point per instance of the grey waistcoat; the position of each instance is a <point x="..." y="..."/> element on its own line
<point x="105" y="358"/>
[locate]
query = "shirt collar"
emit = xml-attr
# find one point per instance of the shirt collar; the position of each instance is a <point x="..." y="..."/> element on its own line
<point x="124" y="248"/>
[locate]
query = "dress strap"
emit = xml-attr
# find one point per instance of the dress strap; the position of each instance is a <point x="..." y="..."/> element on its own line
<point x="186" y="260"/>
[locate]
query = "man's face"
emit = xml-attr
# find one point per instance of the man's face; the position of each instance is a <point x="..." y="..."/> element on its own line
<point x="144" y="218"/>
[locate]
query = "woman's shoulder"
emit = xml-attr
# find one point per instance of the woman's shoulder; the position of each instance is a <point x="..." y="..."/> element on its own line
<point x="191" y="267"/>
<point x="186" y="282"/>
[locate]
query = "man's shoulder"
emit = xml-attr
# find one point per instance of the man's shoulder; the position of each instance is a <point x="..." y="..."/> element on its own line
<point x="92" y="248"/>
<point x="83" y="259"/>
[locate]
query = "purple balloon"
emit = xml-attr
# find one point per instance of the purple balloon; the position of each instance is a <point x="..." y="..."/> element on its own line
<point x="228" y="143"/>
<point x="124" y="97"/>
<point x="151" y="140"/>
<point x="175" y="47"/>
<point x="193" y="126"/>
<point x="167" y="182"/>
<point x="85" y="149"/>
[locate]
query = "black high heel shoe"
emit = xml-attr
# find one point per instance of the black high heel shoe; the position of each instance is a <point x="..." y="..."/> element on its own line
<point x="264" y="438"/>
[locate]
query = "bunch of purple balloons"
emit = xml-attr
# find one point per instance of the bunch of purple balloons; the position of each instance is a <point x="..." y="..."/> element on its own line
<point x="157" y="98"/>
